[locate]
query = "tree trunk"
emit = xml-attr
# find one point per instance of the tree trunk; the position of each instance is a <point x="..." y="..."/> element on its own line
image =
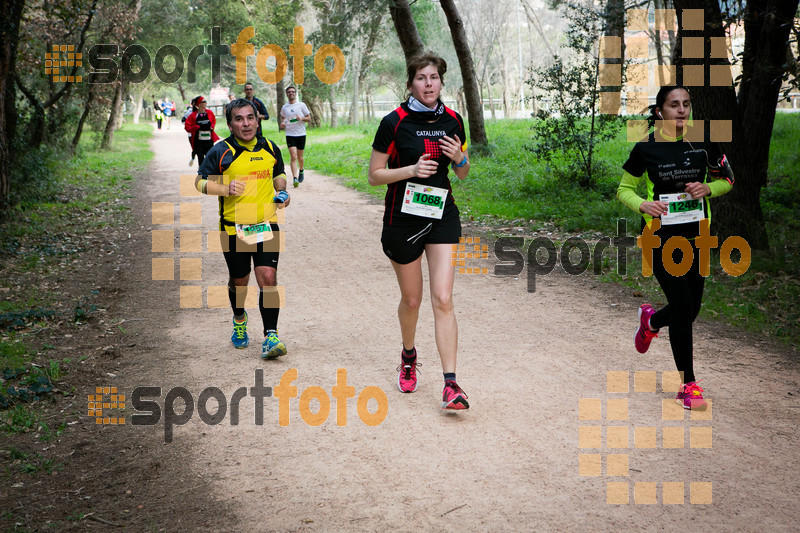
<point x="37" y="126"/>
<point x="615" y="27"/>
<point x="534" y="22"/>
<point x="116" y="104"/>
<point x="767" y="24"/>
<point x="657" y="42"/>
<point x="491" y="100"/>
<point x="406" y="29"/>
<point x="86" y="108"/>
<point x="123" y="105"/>
<point x="137" y="110"/>
<point x="9" y="38"/>
<point x="316" y="109"/>
<point x="461" y="102"/>
<point x="477" y="131"/>
<point x="332" y="101"/>
<point x="506" y="84"/>
<point x="352" y="119"/>
<point x="366" y="60"/>
<point x="280" y="98"/>
<point x="37" y="129"/>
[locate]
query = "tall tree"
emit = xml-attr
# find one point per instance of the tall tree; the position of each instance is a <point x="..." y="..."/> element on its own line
<point x="113" y="114"/>
<point x="9" y="38"/>
<point x="405" y="27"/>
<point x="44" y="25"/>
<point x="477" y="131"/>
<point x="345" y="23"/>
<point x="364" y="54"/>
<point x="615" y="28"/>
<point x="656" y="37"/>
<point x="568" y="135"/>
<point x="751" y="112"/>
<point x="127" y="25"/>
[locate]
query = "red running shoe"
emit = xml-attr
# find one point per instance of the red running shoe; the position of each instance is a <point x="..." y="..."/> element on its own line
<point x="644" y="334"/>
<point x="453" y="397"/>
<point x="407" y="378"/>
<point x="691" y="397"/>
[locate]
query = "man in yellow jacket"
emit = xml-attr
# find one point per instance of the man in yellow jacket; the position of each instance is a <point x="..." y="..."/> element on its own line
<point x="246" y="172"/>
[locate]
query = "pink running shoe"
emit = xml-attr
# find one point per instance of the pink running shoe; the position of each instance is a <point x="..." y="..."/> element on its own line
<point x="644" y="334"/>
<point x="691" y="397"/>
<point x="407" y="378"/>
<point x="453" y="397"/>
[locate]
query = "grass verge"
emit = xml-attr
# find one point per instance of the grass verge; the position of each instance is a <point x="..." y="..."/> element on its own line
<point x="59" y="210"/>
<point x="508" y="186"/>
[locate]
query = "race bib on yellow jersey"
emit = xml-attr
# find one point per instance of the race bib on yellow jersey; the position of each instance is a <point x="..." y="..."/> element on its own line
<point x="254" y="233"/>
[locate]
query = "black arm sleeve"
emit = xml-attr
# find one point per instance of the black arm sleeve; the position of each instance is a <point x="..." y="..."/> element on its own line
<point x="635" y="165"/>
<point x="384" y="137"/>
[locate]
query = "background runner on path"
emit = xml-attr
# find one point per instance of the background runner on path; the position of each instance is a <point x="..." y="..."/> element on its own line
<point x="294" y="116"/>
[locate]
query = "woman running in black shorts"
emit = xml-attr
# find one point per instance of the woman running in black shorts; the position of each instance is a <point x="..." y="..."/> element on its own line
<point x="677" y="201"/>
<point x="418" y="142"/>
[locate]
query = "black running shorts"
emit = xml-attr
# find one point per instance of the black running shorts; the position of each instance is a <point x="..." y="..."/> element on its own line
<point x="297" y="142"/>
<point x="238" y="254"/>
<point x="404" y="244"/>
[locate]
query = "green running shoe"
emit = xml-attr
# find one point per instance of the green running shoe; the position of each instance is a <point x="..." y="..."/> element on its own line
<point x="272" y="346"/>
<point x="239" y="337"/>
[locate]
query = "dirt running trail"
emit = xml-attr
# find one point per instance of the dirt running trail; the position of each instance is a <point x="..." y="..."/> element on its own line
<point x="511" y="462"/>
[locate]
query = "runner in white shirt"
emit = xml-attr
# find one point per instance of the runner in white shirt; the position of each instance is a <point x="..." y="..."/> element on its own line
<point x="294" y="116"/>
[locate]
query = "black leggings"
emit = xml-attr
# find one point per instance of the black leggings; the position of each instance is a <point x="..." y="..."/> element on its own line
<point x="684" y="297"/>
<point x="201" y="148"/>
<point x="238" y="258"/>
<point x="269" y="313"/>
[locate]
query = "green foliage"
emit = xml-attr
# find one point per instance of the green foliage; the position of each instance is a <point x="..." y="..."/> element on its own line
<point x="13" y="356"/>
<point x="429" y="20"/>
<point x="63" y="187"/>
<point x="53" y="371"/>
<point x="508" y="183"/>
<point x="31" y="463"/>
<point x="571" y="129"/>
<point x="83" y="309"/>
<point x="513" y="186"/>
<point x="19" y="319"/>
<point x="33" y="174"/>
<point x="781" y="197"/>
<point x="19" y="419"/>
<point x="49" y="435"/>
